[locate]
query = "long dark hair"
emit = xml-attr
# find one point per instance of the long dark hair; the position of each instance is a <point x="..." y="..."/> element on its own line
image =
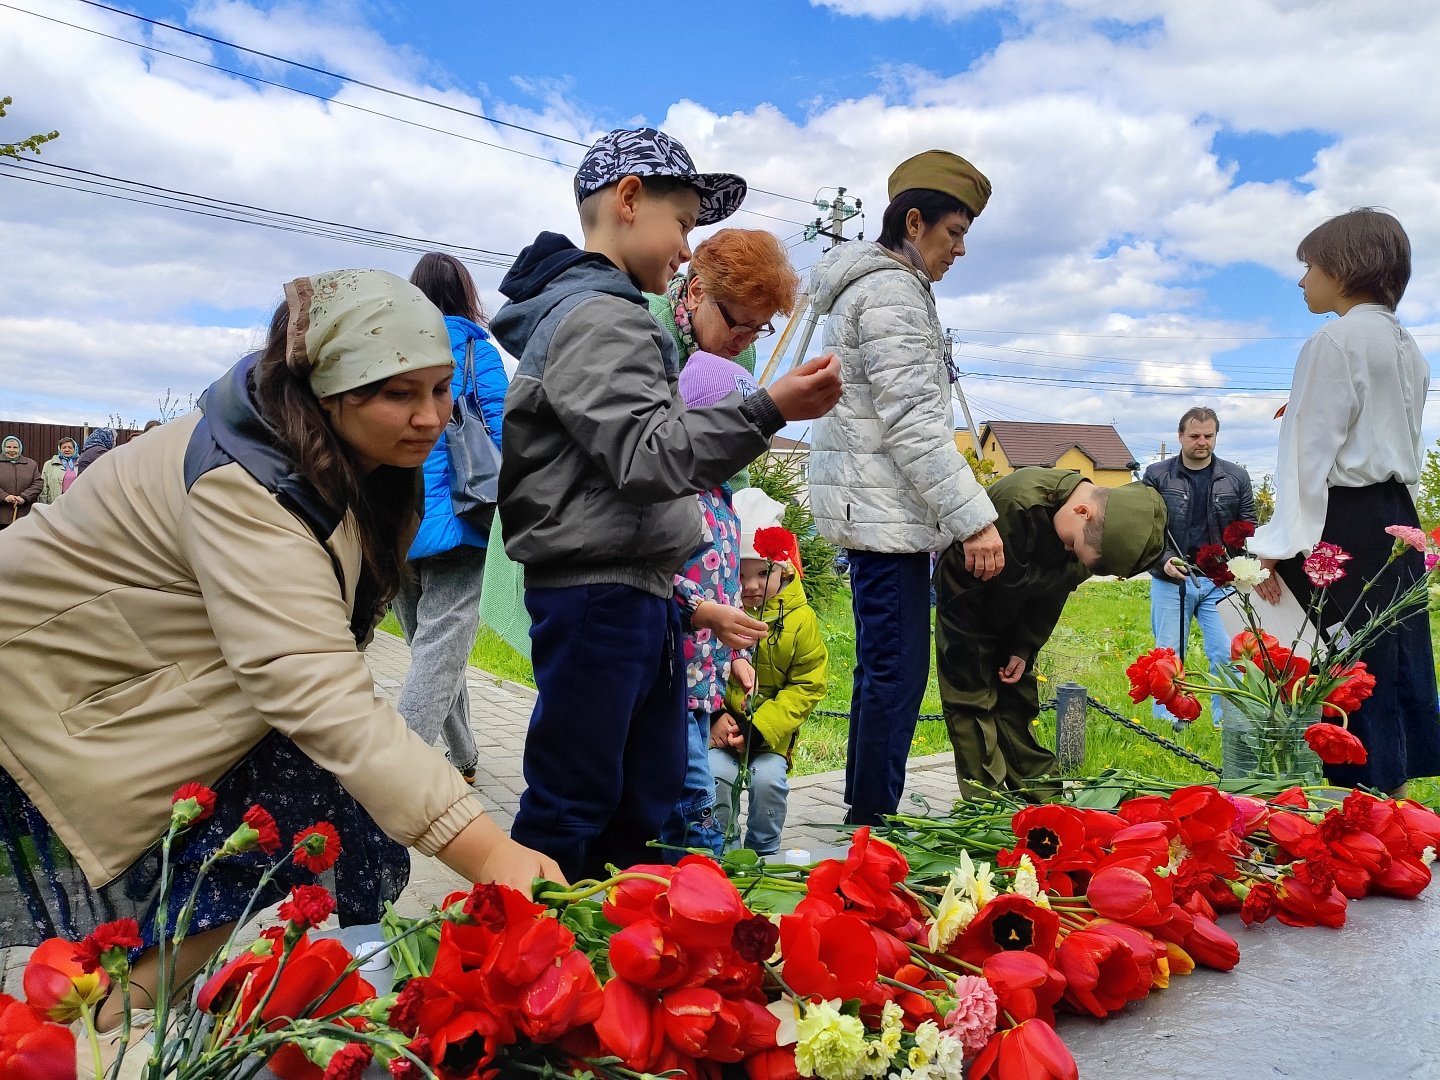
<point x="444" y="279"/>
<point x="933" y="205"/>
<point x="385" y="501"/>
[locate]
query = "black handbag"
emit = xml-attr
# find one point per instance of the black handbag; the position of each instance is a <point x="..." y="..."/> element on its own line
<point x="474" y="459"/>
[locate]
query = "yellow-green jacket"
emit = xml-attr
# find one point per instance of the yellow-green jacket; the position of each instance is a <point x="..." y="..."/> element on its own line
<point x="790" y="668"/>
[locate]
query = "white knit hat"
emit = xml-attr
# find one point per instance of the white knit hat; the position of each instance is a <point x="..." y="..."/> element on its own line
<point x="757" y="511"/>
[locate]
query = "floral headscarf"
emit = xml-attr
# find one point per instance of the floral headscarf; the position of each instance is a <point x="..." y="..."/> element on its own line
<point x="101" y="436"/>
<point x="675" y="293"/>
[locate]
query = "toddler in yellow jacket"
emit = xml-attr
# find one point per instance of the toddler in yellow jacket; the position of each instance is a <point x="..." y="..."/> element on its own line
<point x="790" y="669"/>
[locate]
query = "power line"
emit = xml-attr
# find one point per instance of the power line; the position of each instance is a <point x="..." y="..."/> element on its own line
<point x="280" y="221"/>
<point x="355" y="82"/>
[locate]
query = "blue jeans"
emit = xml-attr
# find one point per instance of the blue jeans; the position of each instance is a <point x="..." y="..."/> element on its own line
<point x="605" y="753"/>
<point x="769" y="790"/>
<point x="692" y="824"/>
<point x="892" y="665"/>
<point x="1202" y="599"/>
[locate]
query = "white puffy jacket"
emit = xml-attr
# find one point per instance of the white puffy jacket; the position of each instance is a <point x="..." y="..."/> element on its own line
<point x="885" y="474"/>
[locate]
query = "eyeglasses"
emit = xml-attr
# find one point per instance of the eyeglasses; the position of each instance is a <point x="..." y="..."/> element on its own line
<point x="763" y="330"/>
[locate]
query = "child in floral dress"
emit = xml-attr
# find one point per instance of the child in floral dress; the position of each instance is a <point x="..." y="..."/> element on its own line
<point x="718" y="633"/>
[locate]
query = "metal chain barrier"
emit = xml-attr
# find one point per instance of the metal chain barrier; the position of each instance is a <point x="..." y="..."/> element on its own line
<point x="1104" y="710"/>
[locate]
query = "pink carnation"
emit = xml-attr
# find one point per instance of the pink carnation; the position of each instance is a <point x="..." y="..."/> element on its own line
<point x="1432" y="560"/>
<point x="1408" y="533"/>
<point x="972" y="1021"/>
<point x="1325" y="564"/>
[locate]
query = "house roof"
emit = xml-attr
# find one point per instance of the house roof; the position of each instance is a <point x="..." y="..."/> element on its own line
<point x="779" y="442"/>
<point x="1045" y="444"/>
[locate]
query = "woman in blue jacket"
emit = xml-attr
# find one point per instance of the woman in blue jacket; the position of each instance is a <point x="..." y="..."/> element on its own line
<point x="439" y="605"/>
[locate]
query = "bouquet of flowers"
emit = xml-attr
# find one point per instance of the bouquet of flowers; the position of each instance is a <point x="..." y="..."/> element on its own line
<point x="1283" y="694"/>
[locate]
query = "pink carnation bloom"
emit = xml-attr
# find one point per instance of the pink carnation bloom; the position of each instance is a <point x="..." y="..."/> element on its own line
<point x="1324" y="565"/>
<point x="1431" y="561"/>
<point x="972" y="1021"/>
<point x="1408" y="533"/>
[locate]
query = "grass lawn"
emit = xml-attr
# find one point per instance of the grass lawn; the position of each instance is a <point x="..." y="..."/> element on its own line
<point x="1105" y="626"/>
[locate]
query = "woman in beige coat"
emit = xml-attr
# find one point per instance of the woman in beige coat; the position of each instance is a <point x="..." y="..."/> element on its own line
<point x="195" y="611"/>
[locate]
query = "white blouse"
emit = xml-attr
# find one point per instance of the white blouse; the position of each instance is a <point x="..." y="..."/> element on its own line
<point x="1353" y="420"/>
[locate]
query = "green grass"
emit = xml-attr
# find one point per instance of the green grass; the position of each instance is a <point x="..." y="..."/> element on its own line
<point x="1105" y="626"/>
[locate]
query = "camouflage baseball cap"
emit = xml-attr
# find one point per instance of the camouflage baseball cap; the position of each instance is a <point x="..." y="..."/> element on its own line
<point x="649" y="152"/>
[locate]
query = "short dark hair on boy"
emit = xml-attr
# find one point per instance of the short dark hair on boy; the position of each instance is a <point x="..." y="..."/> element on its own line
<point x="1095" y="523"/>
<point x="653" y="185"/>
<point x="933" y="205"/>
<point x="1200" y="414"/>
<point x="1366" y="251"/>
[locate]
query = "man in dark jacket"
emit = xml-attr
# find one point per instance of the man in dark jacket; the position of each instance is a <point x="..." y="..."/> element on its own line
<point x="1203" y="494"/>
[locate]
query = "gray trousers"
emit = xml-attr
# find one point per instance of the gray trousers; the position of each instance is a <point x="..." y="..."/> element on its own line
<point x="439" y="612"/>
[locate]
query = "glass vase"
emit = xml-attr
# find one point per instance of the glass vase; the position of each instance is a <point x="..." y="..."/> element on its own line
<point x="1266" y="742"/>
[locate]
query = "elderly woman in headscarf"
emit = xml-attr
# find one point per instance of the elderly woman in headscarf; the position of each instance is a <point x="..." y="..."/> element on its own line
<point x="98" y="442"/>
<point x="20" y="481"/>
<point x="222" y="642"/>
<point x="60" y="471"/>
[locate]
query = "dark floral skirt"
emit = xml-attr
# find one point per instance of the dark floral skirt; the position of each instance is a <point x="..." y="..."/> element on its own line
<point x="44" y="894"/>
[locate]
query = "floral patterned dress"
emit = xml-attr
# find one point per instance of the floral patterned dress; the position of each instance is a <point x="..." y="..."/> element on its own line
<point x="713" y="573"/>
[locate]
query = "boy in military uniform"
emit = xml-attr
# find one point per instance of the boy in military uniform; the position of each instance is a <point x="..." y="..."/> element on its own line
<point x="1058" y="529"/>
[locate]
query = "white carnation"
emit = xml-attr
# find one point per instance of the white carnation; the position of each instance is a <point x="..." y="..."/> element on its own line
<point x="1248" y="572"/>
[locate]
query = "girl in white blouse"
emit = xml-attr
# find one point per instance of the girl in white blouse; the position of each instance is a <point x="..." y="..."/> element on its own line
<point x="1350" y="457"/>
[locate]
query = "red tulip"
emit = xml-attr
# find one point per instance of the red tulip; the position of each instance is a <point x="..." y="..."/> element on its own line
<point x="31" y="1048"/>
<point x="1246" y="646"/>
<point x="828" y="956"/>
<point x="1335" y="745"/>
<point x="1025" y="985"/>
<point x="1100" y="974"/>
<point x="634" y="898"/>
<point x="1209" y="945"/>
<point x="1029" y="1051"/>
<point x="1204" y="814"/>
<point x="643" y="954"/>
<point x="57" y="985"/>
<point x="1008" y="923"/>
<point x="1148" y="954"/>
<point x="702" y="906"/>
<point x="564" y="996"/>
<point x="1056" y="833"/>
<point x="1405" y="877"/>
<point x="1128" y="894"/>
<point x="775" y="1063"/>
<point x="628" y="1025"/>
<point x="1300" y="903"/>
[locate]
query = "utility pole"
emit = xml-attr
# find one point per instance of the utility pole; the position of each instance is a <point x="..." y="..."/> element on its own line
<point x="841" y="210"/>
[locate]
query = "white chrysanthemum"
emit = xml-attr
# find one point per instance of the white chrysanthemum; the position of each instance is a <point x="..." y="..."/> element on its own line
<point x="830" y="1044"/>
<point x="1248" y="572"/>
<point x="927" y="1039"/>
<point x="952" y="914"/>
<point x="950" y="1060"/>
<point x="892" y="1017"/>
<point x="1027" y="883"/>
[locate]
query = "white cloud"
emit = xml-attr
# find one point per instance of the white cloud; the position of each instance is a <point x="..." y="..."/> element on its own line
<point x="1111" y="213"/>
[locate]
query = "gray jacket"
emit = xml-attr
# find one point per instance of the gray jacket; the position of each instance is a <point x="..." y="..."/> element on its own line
<point x="885" y="473"/>
<point x="601" y="460"/>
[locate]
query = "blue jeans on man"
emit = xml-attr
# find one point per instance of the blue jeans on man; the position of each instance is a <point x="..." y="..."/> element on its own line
<point x="1202" y="600"/>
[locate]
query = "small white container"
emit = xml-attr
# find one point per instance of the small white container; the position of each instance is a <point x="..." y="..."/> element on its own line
<point x="797" y="856"/>
<point x="380" y="961"/>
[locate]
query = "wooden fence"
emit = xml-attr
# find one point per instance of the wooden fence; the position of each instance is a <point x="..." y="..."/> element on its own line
<point x="41" y="439"/>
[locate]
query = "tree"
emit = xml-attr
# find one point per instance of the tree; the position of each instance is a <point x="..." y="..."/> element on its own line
<point x="1428" y="504"/>
<point x="1265" y="499"/>
<point x="984" y="470"/>
<point x="29" y="145"/>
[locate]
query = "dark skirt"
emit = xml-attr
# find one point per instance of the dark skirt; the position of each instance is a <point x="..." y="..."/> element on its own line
<point x="44" y="894"/>
<point x="1400" y="723"/>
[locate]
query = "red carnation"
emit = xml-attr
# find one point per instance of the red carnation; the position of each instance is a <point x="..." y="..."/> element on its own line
<point x="1236" y="533"/>
<point x="259" y="819"/>
<point x="1211" y="561"/>
<point x="1259" y="903"/>
<point x="120" y="934"/>
<point x="309" y="905"/>
<point x="755" y="939"/>
<point x="774" y="543"/>
<point x="402" y="1068"/>
<point x="348" y="1063"/>
<point x="317" y="847"/>
<point x="1346" y="697"/>
<point x="191" y="802"/>
<point x="1334" y="745"/>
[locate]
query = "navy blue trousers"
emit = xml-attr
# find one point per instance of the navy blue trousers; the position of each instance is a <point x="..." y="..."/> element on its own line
<point x="605" y="753"/>
<point x="892" y="664"/>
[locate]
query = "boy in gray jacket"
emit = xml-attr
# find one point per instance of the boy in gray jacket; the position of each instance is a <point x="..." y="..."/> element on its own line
<point x="600" y="464"/>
